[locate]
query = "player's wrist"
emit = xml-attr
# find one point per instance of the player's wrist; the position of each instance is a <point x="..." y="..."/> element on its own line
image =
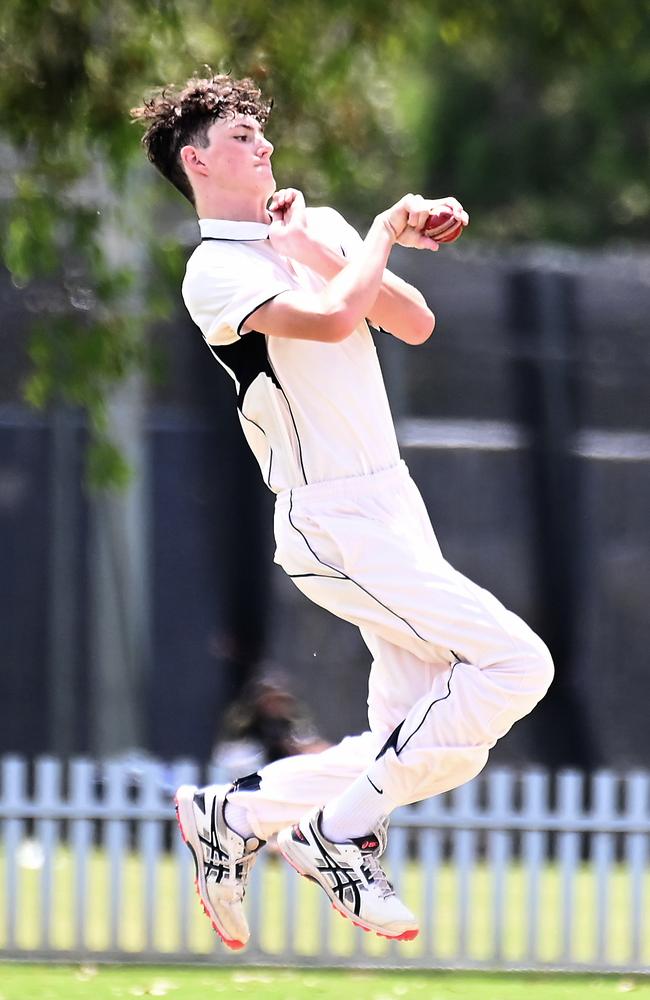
<point x="383" y="224"/>
<point x="292" y="242"/>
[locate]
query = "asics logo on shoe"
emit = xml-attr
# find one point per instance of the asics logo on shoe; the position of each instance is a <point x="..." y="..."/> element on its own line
<point x="343" y="883"/>
<point x="350" y="876"/>
<point x="222" y="859"/>
<point x="216" y="866"/>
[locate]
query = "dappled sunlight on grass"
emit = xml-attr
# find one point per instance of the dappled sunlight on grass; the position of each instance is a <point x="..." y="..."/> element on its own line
<point x="29" y="982"/>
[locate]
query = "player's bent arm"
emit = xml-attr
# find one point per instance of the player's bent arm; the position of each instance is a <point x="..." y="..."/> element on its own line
<point x="332" y="313"/>
<point x="399" y="308"/>
<point x="304" y="315"/>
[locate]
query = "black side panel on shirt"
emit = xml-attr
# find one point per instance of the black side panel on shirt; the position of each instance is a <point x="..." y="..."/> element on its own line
<point x="246" y="359"/>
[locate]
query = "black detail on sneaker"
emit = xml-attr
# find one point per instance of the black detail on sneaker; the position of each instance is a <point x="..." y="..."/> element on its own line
<point x="390" y="742"/>
<point x="380" y="791"/>
<point x="216" y="866"/>
<point x="298" y="835"/>
<point x="368" y="874"/>
<point x="249" y="783"/>
<point x="343" y="882"/>
<point x="199" y="799"/>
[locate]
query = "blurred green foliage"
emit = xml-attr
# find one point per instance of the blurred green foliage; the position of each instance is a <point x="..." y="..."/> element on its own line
<point x="535" y="115"/>
<point x="540" y="116"/>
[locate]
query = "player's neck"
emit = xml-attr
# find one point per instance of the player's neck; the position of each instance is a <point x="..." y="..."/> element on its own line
<point x="236" y="207"/>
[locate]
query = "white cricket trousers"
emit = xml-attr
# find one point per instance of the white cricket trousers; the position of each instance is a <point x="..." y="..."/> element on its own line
<point x="452" y="669"/>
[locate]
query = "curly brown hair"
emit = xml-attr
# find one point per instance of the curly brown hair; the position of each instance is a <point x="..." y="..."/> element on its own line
<point x="180" y="117"/>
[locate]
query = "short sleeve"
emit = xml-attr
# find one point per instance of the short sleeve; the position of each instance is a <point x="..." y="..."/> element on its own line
<point x="350" y="240"/>
<point x="220" y="292"/>
<point x="340" y="234"/>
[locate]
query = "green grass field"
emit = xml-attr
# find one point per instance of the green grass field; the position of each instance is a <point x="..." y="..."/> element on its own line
<point x="30" y="982"/>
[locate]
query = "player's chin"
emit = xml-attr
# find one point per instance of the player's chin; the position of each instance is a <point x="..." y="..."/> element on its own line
<point x="266" y="180"/>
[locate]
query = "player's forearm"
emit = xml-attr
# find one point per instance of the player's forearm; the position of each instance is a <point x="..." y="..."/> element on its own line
<point x="350" y="294"/>
<point x="398" y="308"/>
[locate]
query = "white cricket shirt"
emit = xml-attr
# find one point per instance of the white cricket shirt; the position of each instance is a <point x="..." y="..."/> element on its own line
<point x="310" y="411"/>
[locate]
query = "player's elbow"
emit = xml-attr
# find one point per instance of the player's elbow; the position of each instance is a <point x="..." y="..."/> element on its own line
<point x="337" y="324"/>
<point x="425" y="326"/>
<point x="325" y="324"/>
<point x="420" y="328"/>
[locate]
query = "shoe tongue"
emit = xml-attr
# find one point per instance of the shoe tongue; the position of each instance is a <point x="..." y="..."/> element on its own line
<point x="368" y="843"/>
<point x="252" y="844"/>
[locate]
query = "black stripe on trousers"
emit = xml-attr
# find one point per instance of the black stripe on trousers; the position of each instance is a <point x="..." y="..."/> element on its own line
<point x="340" y="575"/>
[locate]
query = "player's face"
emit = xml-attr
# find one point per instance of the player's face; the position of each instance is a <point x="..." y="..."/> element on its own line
<point x="239" y="156"/>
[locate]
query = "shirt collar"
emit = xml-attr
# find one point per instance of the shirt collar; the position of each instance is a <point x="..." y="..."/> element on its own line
<point x="224" y="229"/>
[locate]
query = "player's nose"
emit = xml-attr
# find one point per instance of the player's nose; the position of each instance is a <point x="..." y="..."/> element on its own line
<point x="265" y="147"/>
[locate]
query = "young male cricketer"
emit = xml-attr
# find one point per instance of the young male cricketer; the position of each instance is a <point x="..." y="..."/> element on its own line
<point x="283" y="295"/>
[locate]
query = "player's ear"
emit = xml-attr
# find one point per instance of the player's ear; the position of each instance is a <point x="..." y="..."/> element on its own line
<point x="191" y="160"/>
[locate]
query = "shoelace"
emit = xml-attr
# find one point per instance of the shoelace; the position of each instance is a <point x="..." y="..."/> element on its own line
<point x="236" y="890"/>
<point x="378" y="876"/>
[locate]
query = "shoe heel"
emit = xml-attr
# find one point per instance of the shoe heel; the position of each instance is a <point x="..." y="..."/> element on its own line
<point x="184" y="816"/>
<point x="284" y="848"/>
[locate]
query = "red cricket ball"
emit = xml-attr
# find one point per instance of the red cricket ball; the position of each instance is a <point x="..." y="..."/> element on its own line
<point x="443" y="227"/>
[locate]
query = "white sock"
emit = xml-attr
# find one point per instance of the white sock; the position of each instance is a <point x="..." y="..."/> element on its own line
<point x="237" y="819"/>
<point x="358" y="811"/>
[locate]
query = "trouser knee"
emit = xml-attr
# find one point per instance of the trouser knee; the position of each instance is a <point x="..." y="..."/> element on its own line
<point x="538" y="674"/>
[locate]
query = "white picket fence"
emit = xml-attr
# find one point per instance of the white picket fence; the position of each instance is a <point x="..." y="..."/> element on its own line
<point x="514" y="870"/>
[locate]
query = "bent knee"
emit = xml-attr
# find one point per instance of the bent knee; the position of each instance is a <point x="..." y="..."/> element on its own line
<point x="539" y="670"/>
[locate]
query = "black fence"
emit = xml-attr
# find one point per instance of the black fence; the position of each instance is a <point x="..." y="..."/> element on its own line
<point x="525" y="421"/>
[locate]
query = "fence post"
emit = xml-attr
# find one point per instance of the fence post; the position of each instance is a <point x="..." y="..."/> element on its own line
<point x="603" y="813"/>
<point x="183" y="772"/>
<point x="535" y="809"/>
<point x="500" y="789"/>
<point x="569" y="807"/>
<point x="115" y="802"/>
<point x="464" y="853"/>
<point x="13" y="792"/>
<point x="82" y="803"/>
<point x="47" y="797"/>
<point x="149" y="841"/>
<point x="637" y="787"/>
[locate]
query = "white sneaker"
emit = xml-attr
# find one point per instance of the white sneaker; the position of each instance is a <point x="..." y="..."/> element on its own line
<point x="223" y="860"/>
<point x="351" y="876"/>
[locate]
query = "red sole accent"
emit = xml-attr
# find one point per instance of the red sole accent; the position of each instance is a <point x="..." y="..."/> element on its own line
<point x="404" y="936"/>
<point x="234" y="945"/>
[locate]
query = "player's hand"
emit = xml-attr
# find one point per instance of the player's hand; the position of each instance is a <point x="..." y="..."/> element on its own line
<point x="452" y="203"/>
<point x="408" y="217"/>
<point x="289" y="233"/>
<point x="283" y="201"/>
<point x="447" y="220"/>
